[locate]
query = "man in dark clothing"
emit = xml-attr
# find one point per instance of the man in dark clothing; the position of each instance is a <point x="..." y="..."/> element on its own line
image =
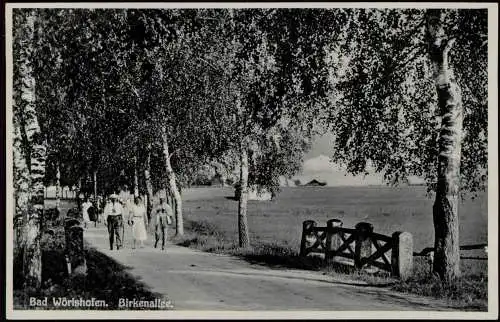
<point x="114" y="213"/>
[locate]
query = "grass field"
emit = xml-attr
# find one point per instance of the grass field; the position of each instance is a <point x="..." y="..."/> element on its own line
<point x="210" y="216"/>
<point x="388" y="209"/>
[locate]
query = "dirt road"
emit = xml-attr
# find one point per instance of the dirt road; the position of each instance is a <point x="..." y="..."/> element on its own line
<point x="195" y="280"/>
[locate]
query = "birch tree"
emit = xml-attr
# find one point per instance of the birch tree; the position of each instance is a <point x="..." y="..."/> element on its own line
<point x="412" y="100"/>
<point x="29" y="146"/>
<point x="274" y="59"/>
<point x="176" y="106"/>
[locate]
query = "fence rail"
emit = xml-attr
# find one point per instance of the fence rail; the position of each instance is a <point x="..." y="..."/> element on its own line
<point x="429" y="252"/>
<point x="360" y="244"/>
<point x="426" y="251"/>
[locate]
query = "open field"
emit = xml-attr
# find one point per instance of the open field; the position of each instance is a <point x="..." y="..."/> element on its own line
<point x="275" y="231"/>
<point x="280" y="222"/>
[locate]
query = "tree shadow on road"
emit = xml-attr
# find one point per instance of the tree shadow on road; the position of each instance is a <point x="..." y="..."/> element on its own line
<point x="277" y="257"/>
<point x="106" y="280"/>
<point x="204" y="236"/>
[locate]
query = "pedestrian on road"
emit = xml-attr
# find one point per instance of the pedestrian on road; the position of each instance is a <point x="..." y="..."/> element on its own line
<point x="137" y="219"/>
<point x="114" y="213"/>
<point x="92" y="212"/>
<point x="163" y="217"/>
<point x="106" y="203"/>
<point x="100" y="203"/>
<point x="85" y="207"/>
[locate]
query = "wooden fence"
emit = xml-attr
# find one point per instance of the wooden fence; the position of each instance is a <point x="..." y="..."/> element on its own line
<point x="357" y="244"/>
<point x="428" y="252"/>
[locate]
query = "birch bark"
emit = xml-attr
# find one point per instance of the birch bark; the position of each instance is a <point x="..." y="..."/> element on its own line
<point x="445" y="209"/>
<point x="172" y="186"/>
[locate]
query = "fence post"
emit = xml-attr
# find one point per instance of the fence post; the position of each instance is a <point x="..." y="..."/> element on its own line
<point x="402" y="254"/>
<point x="307" y="227"/>
<point x="363" y="246"/>
<point x="74" y="246"/>
<point x="333" y="240"/>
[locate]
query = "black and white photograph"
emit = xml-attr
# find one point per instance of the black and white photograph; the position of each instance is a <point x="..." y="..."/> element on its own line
<point x="251" y="160"/>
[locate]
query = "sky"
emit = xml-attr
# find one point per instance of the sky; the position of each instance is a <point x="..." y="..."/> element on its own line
<point x="322" y="145"/>
<point x="317" y="165"/>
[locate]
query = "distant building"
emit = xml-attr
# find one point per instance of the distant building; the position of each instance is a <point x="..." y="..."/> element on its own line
<point x="315" y="183"/>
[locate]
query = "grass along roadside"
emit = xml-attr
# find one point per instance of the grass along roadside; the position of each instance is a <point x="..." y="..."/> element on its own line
<point x="470" y="292"/>
<point x="106" y="280"/>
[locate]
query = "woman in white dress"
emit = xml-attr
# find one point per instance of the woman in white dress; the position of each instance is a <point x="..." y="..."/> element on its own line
<point x="137" y="219"/>
<point x="85" y="207"/>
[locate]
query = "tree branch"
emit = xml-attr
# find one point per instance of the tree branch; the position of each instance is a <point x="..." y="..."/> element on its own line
<point x="216" y="68"/>
<point x="133" y="88"/>
<point x="173" y="152"/>
<point x="410" y="56"/>
<point x="448" y="46"/>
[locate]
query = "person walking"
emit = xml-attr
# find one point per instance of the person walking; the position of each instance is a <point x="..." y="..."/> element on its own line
<point x="137" y="219"/>
<point x="85" y="207"/>
<point x="163" y="217"/>
<point x="114" y="213"/>
<point x="100" y="203"/>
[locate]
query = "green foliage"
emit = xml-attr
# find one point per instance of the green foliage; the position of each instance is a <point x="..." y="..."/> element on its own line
<point x="277" y="158"/>
<point x="216" y="78"/>
<point x="385" y="112"/>
<point x="383" y="108"/>
<point x="211" y="79"/>
<point x="103" y="98"/>
<point x="279" y="82"/>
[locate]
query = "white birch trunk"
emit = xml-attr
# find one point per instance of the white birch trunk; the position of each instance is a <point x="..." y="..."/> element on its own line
<point x="58" y="188"/>
<point x="136" y="179"/>
<point x="244" y="239"/>
<point x="172" y="185"/>
<point x="34" y="153"/>
<point x="78" y="192"/>
<point x="445" y="209"/>
<point x="149" y="185"/>
<point x="21" y="186"/>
